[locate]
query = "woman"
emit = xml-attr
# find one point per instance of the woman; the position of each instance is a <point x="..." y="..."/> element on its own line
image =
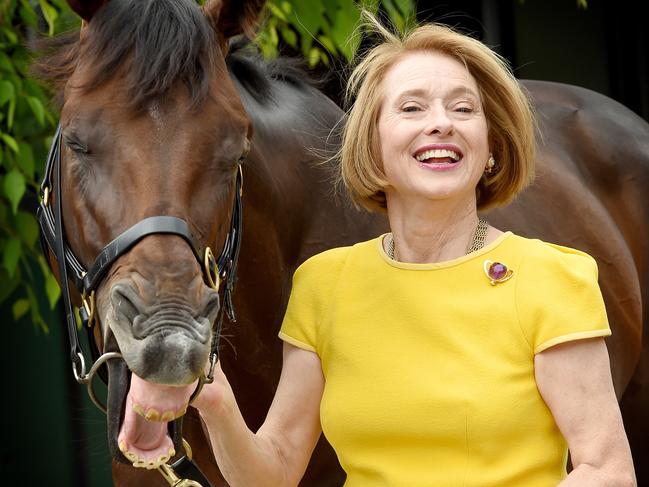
<point x="447" y="352"/>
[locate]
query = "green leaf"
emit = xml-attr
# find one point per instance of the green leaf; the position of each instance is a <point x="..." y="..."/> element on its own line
<point x="286" y="7"/>
<point x="50" y="15"/>
<point x="25" y="159"/>
<point x="314" y="56"/>
<point x="272" y="34"/>
<point x="394" y="14"/>
<point x="14" y="188"/>
<point x="289" y="36"/>
<point x="308" y="17"/>
<point x="345" y="21"/>
<point x="37" y="108"/>
<point x="327" y="43"/>
<point x="406" y="7"/>
<point x="37" y="319"/>
<point x="7" y="92"/>
<point x="27" y="14"/>
<point x="5" y="63"/>
<point x="10" y="112"/>
<point x="9" y="285"/>
<point x="52" y="289"/>
<point x="10" y="35"/>
<point x="27" y="228"/>
<point x="19" y="308"/>
<point x="276" y="11"/>
<point x="11" y="255"/>
<point x="11" y="142"/>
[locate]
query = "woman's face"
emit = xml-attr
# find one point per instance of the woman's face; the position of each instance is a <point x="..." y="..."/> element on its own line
<point x="432" y="129"/>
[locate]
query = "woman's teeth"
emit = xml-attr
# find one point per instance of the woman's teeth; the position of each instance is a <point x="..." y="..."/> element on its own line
<point x="438" y="154"/>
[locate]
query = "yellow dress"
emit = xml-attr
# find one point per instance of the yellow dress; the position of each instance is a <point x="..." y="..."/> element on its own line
<point x="429" y="368"/>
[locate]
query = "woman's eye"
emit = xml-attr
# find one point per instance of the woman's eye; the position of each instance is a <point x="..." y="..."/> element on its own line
<point x="464" y="109"/>
<point x="410" y="108"/>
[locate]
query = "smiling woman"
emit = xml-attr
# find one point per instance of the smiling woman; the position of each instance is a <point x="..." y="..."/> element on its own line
<point x="497" y="364"/>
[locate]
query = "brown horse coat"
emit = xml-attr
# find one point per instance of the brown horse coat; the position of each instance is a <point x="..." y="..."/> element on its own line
<point x="166" y="154"/>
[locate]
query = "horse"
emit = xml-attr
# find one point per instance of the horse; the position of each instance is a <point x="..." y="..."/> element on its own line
<point x="162" y="119"/>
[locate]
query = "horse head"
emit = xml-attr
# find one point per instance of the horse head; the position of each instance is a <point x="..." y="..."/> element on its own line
<point x="151" y="126"/>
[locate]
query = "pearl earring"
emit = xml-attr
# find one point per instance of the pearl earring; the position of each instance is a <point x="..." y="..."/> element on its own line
<point x="490" y="164"/>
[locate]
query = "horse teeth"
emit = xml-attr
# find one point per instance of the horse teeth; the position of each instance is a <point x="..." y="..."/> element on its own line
<point x="138" y="409"/>
<point x="152" y="415"/>
<point x="167" y="416"/>
<point x="181" y="413"/>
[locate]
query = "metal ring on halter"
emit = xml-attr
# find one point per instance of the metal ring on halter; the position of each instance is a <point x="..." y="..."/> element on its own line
<point x="87" y="380"/>
<point x="210" y="263"/>
<point x="46" y="195"/>
<point x="241" y="178"/>
<point x="204" y="379"/>
<point x="80" y="377"/>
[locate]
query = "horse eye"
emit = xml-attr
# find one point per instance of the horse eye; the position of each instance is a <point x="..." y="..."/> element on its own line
<point x="76" y="146"/>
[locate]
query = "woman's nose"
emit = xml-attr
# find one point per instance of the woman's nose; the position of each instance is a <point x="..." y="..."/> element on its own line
<point x="438" y="122"/>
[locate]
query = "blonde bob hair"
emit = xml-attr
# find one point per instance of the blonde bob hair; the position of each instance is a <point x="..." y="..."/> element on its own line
<point x="510" y="120"/>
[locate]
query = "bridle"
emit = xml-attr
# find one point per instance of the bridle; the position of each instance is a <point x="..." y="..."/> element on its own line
<point x="86" y="281"/>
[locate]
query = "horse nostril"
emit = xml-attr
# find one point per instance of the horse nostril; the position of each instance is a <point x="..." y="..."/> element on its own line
<point x="123" y="304"/>
<point x="211" y="308"/>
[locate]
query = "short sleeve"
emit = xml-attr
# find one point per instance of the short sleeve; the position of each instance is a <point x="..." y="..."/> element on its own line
<point x="313" y="285"/>
<point x="558" y="298"/>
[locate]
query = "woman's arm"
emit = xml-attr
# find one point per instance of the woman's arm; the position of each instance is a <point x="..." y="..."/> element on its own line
<point x="278" y="454"/>
<point x="575" y="381"/>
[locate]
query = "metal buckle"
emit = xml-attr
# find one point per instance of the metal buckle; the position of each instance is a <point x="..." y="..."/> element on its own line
<point x="170" y="475"/>
<point x="172" y="479"/>
<point x="241" y="178"/>
<point x="46" y="196"/>
<point x="89" y="305"/>
<point x="210" y="264"/>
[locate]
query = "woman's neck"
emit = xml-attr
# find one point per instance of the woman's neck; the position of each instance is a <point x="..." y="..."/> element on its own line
<point x="427" y="232"/>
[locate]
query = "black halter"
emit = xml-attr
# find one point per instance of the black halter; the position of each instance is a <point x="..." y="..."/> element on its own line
<point x="86" y="281"/>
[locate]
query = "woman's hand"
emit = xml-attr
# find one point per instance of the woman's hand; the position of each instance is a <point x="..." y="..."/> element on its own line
<point x="212" y="399"/>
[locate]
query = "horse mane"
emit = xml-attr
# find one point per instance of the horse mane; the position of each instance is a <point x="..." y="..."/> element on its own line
<point x="256" y="74"/>
<point x="153" y="43"/>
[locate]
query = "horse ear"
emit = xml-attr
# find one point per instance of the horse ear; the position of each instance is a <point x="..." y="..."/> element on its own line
<point x="233" y="17"/>
<point x="86" y="9"/>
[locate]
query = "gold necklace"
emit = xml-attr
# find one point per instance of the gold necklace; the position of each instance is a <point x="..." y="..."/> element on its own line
<point x="477" y="242"/>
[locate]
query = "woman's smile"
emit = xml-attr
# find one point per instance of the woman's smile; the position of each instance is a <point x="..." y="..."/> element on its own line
<point x="432" y="130"/>
<point x="439" y="157"/>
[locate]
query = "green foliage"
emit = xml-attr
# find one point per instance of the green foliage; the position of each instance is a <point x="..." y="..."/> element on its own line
<point x="26" y="126"/>
<point x="320" y="29"/>
<point x="324" y="29"/>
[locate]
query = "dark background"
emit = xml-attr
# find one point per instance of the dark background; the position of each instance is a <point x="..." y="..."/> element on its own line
<point x="53" y="436"/>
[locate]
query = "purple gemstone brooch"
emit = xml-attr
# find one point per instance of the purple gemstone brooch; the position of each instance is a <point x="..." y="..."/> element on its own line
<point x="497" y="272"/>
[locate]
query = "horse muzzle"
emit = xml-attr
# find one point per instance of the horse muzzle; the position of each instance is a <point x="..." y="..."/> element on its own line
<point x="166" y="341"/>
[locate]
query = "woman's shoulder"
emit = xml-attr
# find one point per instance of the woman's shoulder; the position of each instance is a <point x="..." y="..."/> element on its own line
<point x="326" y="259"/>
<point x="551" y="258"/>
<point x="334" y="258"/>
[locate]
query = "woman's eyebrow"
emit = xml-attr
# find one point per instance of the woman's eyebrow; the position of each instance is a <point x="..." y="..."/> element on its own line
<point x="423" y="93"/>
